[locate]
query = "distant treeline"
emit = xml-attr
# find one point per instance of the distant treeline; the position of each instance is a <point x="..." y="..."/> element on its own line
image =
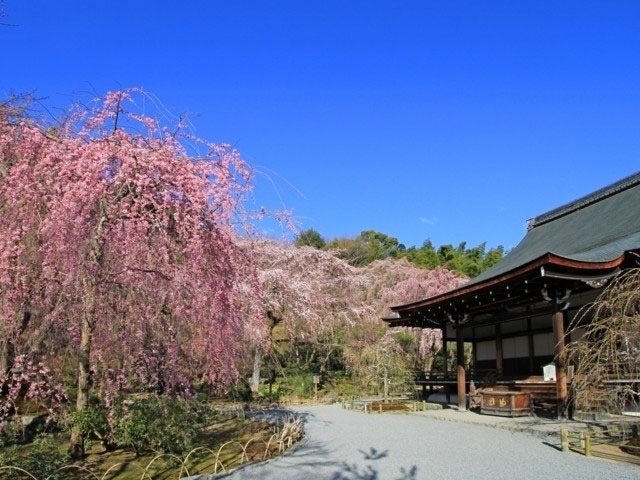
<point x="371" y="245"/>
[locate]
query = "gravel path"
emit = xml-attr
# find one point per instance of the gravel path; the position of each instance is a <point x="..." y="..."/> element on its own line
<point x="346" y="445"/>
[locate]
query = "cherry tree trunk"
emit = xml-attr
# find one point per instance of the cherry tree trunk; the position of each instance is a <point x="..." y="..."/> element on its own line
<point x="428" y="364"/>
<point x="76" y="446"/>
<point x="7" y="354"/>
<point x="254" y="384"/>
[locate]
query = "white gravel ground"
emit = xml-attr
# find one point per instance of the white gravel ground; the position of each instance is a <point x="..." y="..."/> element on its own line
<point x="346" y="445"/>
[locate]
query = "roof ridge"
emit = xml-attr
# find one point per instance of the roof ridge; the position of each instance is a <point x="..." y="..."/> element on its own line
<point x="582" y="202"/>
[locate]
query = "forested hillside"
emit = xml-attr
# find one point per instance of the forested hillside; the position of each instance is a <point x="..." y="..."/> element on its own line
<point x="371" y="245"/>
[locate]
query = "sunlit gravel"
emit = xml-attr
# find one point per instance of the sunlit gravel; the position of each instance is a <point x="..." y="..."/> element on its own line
<point x="347" y="445"/>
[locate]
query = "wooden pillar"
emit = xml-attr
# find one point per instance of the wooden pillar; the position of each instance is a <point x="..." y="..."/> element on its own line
<point x="498" y="349"/>
<point x="474" y="357"/>
<point x="445" y="358"/>
<point x="462" y="392"/>
<point x="561" y="373"/>
<point x="531" y="352"/>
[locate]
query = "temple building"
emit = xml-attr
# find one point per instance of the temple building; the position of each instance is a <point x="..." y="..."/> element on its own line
<point x="515" y="314"/>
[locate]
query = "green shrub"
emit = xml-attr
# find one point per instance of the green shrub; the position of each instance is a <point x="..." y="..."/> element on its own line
<point x="276" y="394"/>
<point x="92" y="422"/>
<point x="344" y="387"/>
<point x="241" y="392"/>
<point x="41" y="459"/>
<point x="300" y="384"/>
<point x="162" y="424"/>
<point x="11" y="434"/>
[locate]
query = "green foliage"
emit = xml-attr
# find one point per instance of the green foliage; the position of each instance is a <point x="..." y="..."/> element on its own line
<point x="370" y="246"/>
<point x="383" y="362"/>
<point x="382" y="243"/>
<point x="298" y="383"/>
<point x="467" y="261"/>
<point x="367" y="247"/>
<point x="11" y="434"/>
<point x="42" y="458"/>
<point x="404" y="339"/>
<point x="310" y="238"/>
<point x="162" y="424"/>
<point x="344" y="386"/>
<point x="92" y="422"/>
<point x="241" y="391"/>
<point x="274" y="394"/>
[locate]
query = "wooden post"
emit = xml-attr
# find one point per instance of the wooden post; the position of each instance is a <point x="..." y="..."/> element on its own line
<point x="531" y="352"/>
<point x="561" y="374"/>
<point x="462" y="393"/>
<point x="445" y="358"/>
<point x="474" y="359"/>
<point x="386" y="386"/>
<point x="498" y="349"/>
<point x="316" y="381"/>
<point x="564" y="439"/>
<point x="587" y="444"/>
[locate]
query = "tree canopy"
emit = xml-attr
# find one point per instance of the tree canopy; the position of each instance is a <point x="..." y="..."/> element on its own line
<point x="310" y="238"/>
<point x="124" y="256"/>
<point x="371" y="245"/>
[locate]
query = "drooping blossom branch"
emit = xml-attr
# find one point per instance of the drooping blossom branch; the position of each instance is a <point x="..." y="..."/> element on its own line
<point x="125" y="247"/>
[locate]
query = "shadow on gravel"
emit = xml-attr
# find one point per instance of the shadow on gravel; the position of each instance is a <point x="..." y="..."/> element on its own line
<point x="374" y="454"/>
<point x="304" y="457"/>
<point x="354" y="472"/>
<point x="555" y="446"/>
<point x="275" y="415"/>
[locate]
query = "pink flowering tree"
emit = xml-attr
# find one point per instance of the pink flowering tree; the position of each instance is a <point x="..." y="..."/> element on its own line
<point x="418" y="283"/>
<point x="310" y="295"/>
<point x="332" y="309"/>
<point x="124" y="247"/>
<point x="377" y="353"/>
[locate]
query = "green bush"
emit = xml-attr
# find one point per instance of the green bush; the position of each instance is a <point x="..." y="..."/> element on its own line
<point x="241" y="392"/>
<point x="162" y="424"/>
<point x="92" y="422"/>
<point x="300" y="384"/>
<point x="41" y="459"/>
<point x="276" y="395"/>
<point x="344" y="387"/>
<point x="11" y="434"/>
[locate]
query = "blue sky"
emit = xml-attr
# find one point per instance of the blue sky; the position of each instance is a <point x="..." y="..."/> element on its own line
<point x="445" y="120"/>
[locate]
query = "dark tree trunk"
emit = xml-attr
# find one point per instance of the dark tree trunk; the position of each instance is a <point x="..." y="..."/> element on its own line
<point x="7" y="355"/>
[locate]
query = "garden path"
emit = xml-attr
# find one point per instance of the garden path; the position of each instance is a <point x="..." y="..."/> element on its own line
<point x="348" y="445"/>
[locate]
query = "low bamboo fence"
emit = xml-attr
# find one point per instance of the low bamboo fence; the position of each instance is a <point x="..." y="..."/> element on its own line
<point x="275" y="444"/>
<point x="612" y="443"/>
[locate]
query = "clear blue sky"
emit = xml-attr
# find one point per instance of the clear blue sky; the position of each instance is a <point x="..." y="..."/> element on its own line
<point x="448" y="120"/>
